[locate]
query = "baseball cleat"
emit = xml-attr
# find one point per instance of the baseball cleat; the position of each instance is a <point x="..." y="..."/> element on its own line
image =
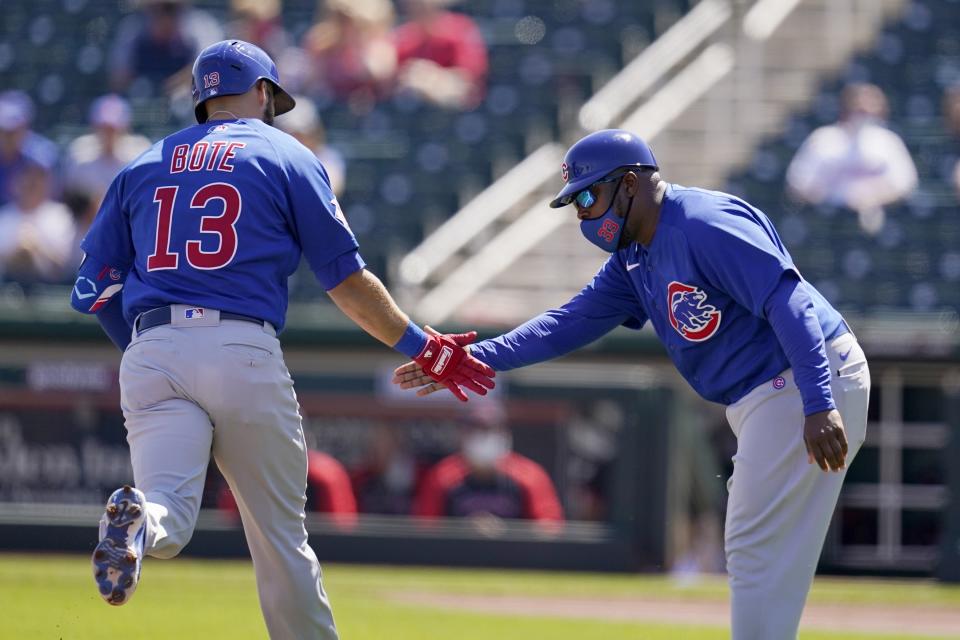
<point x="119" y="554"/>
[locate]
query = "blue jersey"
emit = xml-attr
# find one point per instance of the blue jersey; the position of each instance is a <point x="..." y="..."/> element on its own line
<point x="217" y="215"/>
<point x="712" y="264"/>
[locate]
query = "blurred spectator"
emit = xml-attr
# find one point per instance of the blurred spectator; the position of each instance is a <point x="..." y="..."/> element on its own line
<point x="696" y="495"/>
<point x="350" y="51"/>
<point x="159" y="43"/>
<point x="258" y="22"/>
<point x="328" y="491"/>
<point x="486" y="479"/>
<point x="328" y="488"/>
<point x="386" y="480"/>
<point x="593" y="435"/>
<point x="19" y="146"/>
<point x="94" y="159"/>
<point x="441" y="54"/>
<point x="951" y="116"/>
<point x="857" y="162"/>
<point x="304" y="124"/>
<point x="36" y="233"/>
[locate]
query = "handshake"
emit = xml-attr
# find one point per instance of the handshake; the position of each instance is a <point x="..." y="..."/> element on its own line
<point x="445" y="362"/>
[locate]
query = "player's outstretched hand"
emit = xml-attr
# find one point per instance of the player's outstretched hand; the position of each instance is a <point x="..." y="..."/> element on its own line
<point x="445" y="363"/>
<point x="410" y="376"/>
<point x="826" y="440"/>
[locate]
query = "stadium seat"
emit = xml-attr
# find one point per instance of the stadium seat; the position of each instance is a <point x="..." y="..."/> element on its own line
<point x="912" y="263"/>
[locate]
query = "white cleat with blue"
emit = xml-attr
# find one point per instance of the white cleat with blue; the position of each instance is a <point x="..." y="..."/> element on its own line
<point x="117" y="558"/>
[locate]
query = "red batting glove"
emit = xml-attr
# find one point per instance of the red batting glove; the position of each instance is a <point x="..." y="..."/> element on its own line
<point x="445" y="360"/>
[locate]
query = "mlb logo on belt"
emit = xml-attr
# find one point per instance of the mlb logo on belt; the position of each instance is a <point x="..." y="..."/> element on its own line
<point x="193" y="314"/>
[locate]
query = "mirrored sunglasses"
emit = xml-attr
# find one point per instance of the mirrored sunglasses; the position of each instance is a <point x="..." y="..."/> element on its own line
<point x="585" y="198"/>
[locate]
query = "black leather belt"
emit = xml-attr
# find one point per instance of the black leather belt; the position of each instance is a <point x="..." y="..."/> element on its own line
<point x="162" y="315"/>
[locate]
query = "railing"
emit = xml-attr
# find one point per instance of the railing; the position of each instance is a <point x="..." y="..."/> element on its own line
<point x="533" y="175"/>
<point x="484" y="210"/>
<point x="688" y="86"/>
<point x="527" y="231"/>
<point x="676" y="71"/>
<point x="650" y="67"/>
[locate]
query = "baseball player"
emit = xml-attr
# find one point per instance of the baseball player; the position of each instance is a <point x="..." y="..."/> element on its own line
<point x="186" y="266"/>
<point x="744" y="328"/>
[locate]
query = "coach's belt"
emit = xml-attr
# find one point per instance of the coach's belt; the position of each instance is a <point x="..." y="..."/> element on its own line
<point x="163" y="315"/>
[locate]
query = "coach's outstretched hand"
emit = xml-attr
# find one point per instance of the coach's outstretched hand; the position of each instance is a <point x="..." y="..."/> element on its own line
<point x="445" y="362"/>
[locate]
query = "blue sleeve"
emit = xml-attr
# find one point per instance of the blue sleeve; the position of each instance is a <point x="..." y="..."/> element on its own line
<point x="740" y="253"/>
<point x="318" y="222"/>
<point x="789" y="309"/>
<point x="114" y="324"/>
<point x="337" y="270"/>
<point x="109" y="236"/>
<point x="605" y="303"/>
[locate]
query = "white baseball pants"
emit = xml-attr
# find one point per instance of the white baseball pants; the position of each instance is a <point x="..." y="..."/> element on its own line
<point x="779" y="507"/>
<point x="200" y="387"/>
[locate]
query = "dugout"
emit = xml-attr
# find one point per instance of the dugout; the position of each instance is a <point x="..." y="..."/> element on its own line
<point x="62" y="449"/>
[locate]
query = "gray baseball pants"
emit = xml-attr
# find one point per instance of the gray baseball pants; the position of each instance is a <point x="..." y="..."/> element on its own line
<point x="779" y="507"/>
<point x="200" y="387"/>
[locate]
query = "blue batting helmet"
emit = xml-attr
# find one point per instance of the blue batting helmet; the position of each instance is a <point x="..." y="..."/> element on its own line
<point x="232" y="67"/>
<point x="596" y="155"/>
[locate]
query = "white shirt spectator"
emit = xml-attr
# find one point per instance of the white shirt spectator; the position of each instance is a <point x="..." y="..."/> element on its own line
<point x="94" y="160"/>
<point x="90" y="169"/>
<point x="853" y="164"/>
<point x="304" y="124"/>
<point x="857" y="162"/>
<point x="36" y="245"/>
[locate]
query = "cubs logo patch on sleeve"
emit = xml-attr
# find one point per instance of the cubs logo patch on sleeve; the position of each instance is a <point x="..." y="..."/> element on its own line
<point x="690" y="313"/>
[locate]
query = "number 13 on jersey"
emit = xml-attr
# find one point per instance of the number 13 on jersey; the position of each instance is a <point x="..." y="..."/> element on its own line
<point x="222" y="225"/>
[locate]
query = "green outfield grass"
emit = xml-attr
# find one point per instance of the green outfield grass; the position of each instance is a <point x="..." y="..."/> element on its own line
<point x="45" y="596"/>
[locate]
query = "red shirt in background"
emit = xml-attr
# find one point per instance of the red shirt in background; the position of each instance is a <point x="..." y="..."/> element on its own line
<point x="328" y="490"/>
<point x="518" y="488"/>
<point x="451" y="40"/>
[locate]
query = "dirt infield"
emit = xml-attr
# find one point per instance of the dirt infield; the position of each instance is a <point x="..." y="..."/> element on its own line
<point x="921" y="620"/>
